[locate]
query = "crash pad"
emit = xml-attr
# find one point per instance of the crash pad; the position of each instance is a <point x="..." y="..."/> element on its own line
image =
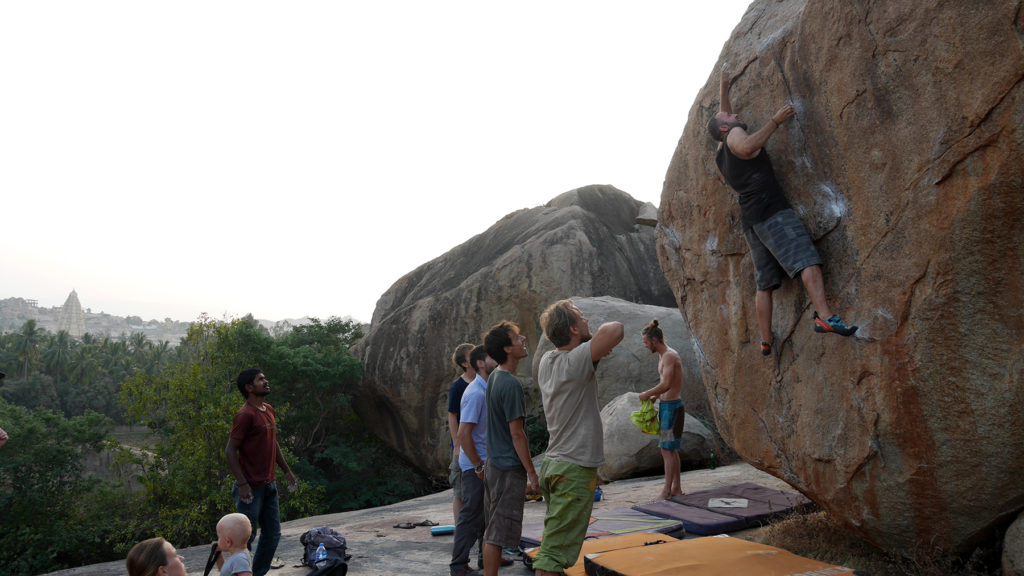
<point x="608" y="543"/>
<point x="707" y="556"/>
<point x="727" y="508"/>
<point x="611" y="522"/>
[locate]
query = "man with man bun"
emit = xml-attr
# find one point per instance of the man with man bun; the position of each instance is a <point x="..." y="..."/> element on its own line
<point x="671" y="413"/>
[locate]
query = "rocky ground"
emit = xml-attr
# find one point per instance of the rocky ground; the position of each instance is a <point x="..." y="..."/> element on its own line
<point x="379" y="549"/>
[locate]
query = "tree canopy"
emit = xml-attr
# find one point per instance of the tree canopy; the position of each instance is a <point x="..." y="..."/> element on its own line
<point x="176" y="484"/>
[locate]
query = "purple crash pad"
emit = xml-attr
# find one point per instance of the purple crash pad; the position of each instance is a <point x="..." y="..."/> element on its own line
<point x="700" y="521"/>
<point x="728" y="508"/>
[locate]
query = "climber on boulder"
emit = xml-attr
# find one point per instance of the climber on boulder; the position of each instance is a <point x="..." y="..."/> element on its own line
<point x="777" y="238"/>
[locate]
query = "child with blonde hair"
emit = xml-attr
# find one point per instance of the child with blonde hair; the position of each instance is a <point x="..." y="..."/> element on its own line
<point x="233" y="532"/>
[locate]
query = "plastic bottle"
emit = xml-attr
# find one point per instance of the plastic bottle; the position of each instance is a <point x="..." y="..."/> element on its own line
<point x="321" y="554"/>
<point x="713" y="463"/>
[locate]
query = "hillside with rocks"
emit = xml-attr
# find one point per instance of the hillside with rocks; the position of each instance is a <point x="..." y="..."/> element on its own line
<point x="14" y="312"/>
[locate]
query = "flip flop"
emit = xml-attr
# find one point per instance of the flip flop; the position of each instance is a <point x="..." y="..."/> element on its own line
<point x="404" y="525"/>
<point x="426" y="523"/>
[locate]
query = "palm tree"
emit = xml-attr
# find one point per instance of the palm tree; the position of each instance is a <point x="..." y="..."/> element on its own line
<point x="84" y="368"/>
<point x="138" y="344"/>
<point x="158" y="355"/>
<point x="58" y="354"/>
<point x="26" y="345"/>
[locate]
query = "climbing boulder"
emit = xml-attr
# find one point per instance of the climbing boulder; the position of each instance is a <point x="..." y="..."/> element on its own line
<point x="904" y="161"/>
<point x="586" y="242"/>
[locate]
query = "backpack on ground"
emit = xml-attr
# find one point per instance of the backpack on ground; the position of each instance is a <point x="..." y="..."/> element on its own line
<point x="334" y="545"/>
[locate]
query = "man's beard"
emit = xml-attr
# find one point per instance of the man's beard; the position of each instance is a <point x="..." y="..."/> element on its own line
<point x="261" y="393"/>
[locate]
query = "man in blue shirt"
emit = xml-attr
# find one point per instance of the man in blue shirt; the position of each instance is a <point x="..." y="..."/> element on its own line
<point x="472" y="441"/>
<point x="461" y="359"/>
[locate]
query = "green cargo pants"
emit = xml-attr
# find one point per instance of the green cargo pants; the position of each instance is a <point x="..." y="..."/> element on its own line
<point x="568" y="490"/>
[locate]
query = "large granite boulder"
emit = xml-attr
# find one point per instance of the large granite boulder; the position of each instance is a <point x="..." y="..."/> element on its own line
<point x="631" y="367"/>
<point x="904" y="161"/>
<point x="628" y="452"/>
<point x="585" y="242"/>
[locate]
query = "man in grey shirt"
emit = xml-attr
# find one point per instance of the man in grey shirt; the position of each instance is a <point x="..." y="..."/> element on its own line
<point x="568" y="390"/>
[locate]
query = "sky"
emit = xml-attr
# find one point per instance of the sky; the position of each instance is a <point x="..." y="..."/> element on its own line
<point x="169" y="159"/>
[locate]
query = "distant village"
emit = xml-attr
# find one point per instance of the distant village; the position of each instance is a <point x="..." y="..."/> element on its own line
<point x="76" y="321"/>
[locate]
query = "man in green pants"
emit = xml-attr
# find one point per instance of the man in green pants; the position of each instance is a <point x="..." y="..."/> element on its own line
<point x="568" y="390"/>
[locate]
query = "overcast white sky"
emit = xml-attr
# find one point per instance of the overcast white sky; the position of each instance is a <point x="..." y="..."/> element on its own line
<point x="284" y="159"/>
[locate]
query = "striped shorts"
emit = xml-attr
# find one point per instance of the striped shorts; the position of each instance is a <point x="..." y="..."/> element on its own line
<point x="780" y="244"/>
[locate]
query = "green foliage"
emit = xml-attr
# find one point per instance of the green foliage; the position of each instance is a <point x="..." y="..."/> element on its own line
<point x="537" y="432"/>
<point x="58" y="372"/>
<point x="53" y="516"/>
<point x="178" y="482"/>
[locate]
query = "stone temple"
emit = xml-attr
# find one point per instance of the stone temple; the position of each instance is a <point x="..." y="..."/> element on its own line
<point x="72" y="320"/>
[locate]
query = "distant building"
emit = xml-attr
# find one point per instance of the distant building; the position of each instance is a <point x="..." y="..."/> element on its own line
<point x="71" y="319"/>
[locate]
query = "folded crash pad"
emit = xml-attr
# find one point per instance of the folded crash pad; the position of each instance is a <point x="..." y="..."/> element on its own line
<point x="708" y="556"/>
<point x="608" y="543"/>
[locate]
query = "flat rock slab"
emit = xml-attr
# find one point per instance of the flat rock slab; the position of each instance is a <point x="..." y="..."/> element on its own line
<point x="380" y="549"/>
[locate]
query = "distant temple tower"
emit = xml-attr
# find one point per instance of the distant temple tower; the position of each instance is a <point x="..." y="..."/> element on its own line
<point x="71" y="318"/>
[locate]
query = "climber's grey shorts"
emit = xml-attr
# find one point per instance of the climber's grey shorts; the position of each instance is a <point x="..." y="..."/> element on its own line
<point x="780" y="243"/>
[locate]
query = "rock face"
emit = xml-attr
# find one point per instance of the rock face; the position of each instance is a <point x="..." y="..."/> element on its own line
<point x="585" y="242"/>
<point x="904" y="162"/>
<point x="628" y="452"/>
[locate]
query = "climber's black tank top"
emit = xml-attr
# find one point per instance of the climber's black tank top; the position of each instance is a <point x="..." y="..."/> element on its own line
<point x="759" y="193"/>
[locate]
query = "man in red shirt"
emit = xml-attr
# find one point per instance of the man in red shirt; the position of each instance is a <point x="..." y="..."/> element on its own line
<point x="252" y="453"/>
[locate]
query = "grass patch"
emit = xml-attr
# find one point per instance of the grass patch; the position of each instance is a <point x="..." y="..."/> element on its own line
<point x="816" y="535"/>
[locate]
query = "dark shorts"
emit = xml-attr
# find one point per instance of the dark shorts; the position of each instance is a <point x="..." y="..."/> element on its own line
<point x="504" y="497"/>
<point x="780" y="244"/>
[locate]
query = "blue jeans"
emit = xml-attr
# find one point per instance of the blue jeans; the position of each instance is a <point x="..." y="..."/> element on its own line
<point x="263" y="513"/>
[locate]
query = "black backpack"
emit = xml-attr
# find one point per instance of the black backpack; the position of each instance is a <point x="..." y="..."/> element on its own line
<point x="334" y="544"/>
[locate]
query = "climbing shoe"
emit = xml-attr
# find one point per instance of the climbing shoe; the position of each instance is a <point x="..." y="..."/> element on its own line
<point x="834" y="325"/>
<point x="766" y="348"/>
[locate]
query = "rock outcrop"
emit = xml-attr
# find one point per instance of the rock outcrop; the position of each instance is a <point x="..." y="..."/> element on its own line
<point x="585" y="242"/>
<point x="628" y="452"/>
<point x="904" y="161"/>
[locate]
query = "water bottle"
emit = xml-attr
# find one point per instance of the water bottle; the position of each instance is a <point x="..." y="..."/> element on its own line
<point x="713" y="463"/>
<point x="321" y="554"/>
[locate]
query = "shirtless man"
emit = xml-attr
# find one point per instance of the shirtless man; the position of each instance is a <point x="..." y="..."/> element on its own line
<point x="670" y="408"/>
